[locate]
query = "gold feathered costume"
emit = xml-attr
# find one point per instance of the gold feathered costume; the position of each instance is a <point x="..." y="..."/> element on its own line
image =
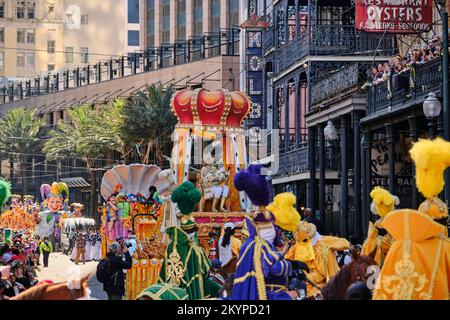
<point x="282" y="207"/>
<point x="417" y="266"/>
<point x="378" y="241"/>
<point x="318" y="253"/>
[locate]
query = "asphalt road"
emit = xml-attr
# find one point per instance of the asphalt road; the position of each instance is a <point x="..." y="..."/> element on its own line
<point x="61" y="269"/>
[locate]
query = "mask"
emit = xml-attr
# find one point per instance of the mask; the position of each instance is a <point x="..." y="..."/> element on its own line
<point x="268" y="234"/>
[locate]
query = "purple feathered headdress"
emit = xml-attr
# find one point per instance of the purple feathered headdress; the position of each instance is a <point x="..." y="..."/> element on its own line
<point x="254" y="184"/>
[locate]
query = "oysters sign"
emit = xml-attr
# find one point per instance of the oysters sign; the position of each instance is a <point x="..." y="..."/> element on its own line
<point x="395" y="16"/>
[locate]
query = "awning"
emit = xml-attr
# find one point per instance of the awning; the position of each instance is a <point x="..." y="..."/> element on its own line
<point x="77" y="183"/>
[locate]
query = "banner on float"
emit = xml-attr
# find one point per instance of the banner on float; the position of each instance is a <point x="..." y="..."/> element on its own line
<point x="394" y="16"/>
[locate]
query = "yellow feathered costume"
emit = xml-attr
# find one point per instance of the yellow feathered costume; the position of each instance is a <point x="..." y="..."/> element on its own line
<point x="417" y="266"/>
<point x="317" y="252"/>
<point x="378" y="241"/>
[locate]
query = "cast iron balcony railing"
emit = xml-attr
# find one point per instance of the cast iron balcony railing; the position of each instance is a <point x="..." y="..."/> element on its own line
<point x="334" y="40"/>
<point x="338" y="85"/>
<point x="225" y="42"/>
<point x="414" y="84"/>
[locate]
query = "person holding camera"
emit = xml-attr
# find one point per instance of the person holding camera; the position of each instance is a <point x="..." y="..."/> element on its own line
<point x="114" y="264"/>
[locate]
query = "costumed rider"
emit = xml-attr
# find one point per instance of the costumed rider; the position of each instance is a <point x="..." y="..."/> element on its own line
<point x="418" y="264"/>
<point x="186" y="264"/>
<point x="262" y="272"/>
<point x="48" y="220"/>
<point x="77" y="209"/>
<point x="378" y="239"/>
<point x="317" y="252"/>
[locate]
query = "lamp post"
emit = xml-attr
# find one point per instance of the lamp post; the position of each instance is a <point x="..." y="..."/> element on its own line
<point x="432" y="110"/>
<point x="445" y="92"/>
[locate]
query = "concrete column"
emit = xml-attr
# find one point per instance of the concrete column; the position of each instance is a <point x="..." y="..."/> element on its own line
<point x="312" y="168"/>
<point x="413" y="135"/>
<point x="158" y="22"/>
<point x="206" y="16"/>
<point x="391" y="154"/>
<point x="343" y="202"/>
<point x="173" y="20"/>
<point x="189" y="18"/>
<point x="322" y="181"/>
<point x="357" y="225"/>
<point x="224" y="14"/>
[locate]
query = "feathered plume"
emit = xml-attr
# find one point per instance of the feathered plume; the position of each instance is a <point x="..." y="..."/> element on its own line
<point x="45" y="191"/>
<point x="282" y="207"/>
<point x="186" y="196"/>
<point x="5" y="192"/>
<point x="383" y="201"/>
<point x="431" y="158"/>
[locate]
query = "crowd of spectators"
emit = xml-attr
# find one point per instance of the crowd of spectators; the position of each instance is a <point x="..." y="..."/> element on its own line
<point x="19" y="262"/>
<point x="417" y="55"/>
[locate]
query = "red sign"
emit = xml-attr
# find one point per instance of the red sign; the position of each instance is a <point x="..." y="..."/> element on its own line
<point x="395" y="16"/>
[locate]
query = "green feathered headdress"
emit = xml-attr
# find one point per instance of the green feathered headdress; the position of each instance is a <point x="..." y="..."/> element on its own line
<point x="5" y="192"/>
<point x="186" y="196"/>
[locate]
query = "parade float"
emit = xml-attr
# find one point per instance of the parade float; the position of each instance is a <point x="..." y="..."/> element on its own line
<point x="137" y="205"/>
<point x="214" y="117"/>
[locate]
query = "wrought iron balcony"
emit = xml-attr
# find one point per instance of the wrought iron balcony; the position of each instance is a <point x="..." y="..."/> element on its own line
<point x="342" y="83"/>
<point x="333" y="40"/>
<point x="405" y="87"/>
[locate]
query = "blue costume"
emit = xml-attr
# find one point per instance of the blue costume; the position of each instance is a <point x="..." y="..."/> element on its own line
<point x="261" y="273"/>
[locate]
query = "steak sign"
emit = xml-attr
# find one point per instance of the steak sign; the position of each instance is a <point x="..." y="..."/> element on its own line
<point x="395" y="16"/>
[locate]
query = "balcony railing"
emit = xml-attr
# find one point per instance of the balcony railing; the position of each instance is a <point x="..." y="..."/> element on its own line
<point x="414" y="84"/>
<point x="334" y="40"/>
<point x="340" y="84"/>
<point x="225" y="42"/>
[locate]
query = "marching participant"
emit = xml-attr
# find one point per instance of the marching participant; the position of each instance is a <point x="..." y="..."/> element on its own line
<point x="378" y="240"/>
<point x="262" y="272"/>
<point x="186" y="264"/>
<point x="417" y="266"/>
<point x="228" y="248"/>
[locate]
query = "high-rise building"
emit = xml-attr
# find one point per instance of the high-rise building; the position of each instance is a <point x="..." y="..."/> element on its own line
<point x="42" y="36"/>
<point x="169" y="21"/>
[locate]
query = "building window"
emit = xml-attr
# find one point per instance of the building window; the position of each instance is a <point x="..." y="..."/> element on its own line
<point x="51" y="46"/>
<point x="31" y="60"/>
<point x="2" y="35"/>
<point x="133" y="38"/>
<point x="84" y="55"/>
<point x="31" y="9"/>
<point x="165" y="21"/>
<point x="181" y="20"/>
<point x="2" y="9"/>
<point x="133" y="11"/>
<point x="69" y="54"/>
<point x="292" y="20"/>
<point x="215" y="15"/>
<point x="30" y="36"/>
<point x="20" y="35"/>
<point x="281" y="26"/>
<point x="150" y="23"/>
<point x="2" y="60"/>
<point x="69" y="18"/>
<point x="234" y="12"/>
<point x="198" y="17"/>
<point x="20" y="9"/>
<point x="20" y="59"/>
<point x="51" y="67"/>
<point x="84" y="19"/>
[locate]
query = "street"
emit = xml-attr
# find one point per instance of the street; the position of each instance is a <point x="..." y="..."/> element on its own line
<point x="60" y="267"/>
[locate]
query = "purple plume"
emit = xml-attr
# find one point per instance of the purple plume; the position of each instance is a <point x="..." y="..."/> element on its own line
<point x="254" y="185"/>
<point x="45" y="191"/>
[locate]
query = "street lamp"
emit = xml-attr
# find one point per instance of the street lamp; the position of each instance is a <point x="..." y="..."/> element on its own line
<point x="432" y="110"/>
<point x="330" y="131"/>
<point x="445" y="93"/>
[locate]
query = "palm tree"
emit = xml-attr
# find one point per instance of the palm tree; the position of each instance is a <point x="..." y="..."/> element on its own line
<point x="148" y="120"/>
<point x="85" y="137"/>
<point x="113" y="117"/>
<point x="21" y="130"/>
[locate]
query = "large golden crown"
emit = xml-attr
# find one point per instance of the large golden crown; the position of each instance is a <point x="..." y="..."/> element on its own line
<point x="215" y="109"/>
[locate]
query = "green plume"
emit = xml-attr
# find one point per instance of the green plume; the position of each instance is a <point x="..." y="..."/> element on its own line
<point x="186" y="196"/>
<point x="5" y="192"/>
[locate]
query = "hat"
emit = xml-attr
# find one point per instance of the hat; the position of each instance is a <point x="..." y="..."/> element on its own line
<point x="383" y="201"/>
<point x="230" y="225"/>
<point x="114" y="247"/>
<point x="286" y="216"/>
<point x="57" y="189"/>
<point x="431" y="158"/>
<point x="186" y="196"/>
<point x="254" y="184"/>
<point x="5" y="192"/>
